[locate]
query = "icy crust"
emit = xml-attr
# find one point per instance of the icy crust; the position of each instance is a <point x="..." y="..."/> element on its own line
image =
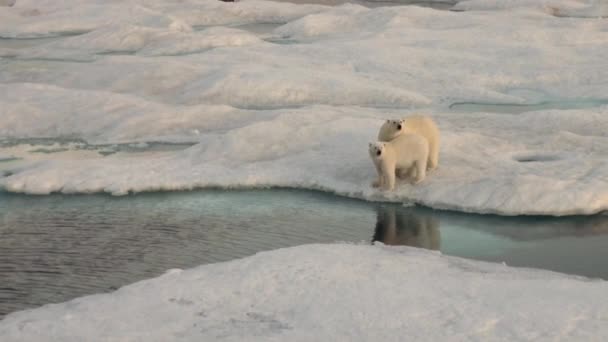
<point x="561" y="8"/>
<point x="100" y="117"/>
<point x="387" y="57"/>
<point x="552" y="162"/>
<point x="331" y="293"/>
<point x="22" y="21"/>
<point x="139" y="40"/>
<point x="32" y="18"/>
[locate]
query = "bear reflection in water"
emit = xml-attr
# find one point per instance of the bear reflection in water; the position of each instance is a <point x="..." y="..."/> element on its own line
<point x="404" y="226"/>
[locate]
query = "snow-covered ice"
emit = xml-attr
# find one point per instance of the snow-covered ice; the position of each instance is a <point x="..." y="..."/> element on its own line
<point x="331" y="293"/>
<point x="296" y="107"/>
<point x="561" y="8"/>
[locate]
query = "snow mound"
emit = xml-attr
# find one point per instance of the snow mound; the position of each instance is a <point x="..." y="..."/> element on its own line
<point x="32" y="18"/>
<point x="137" y="40"/>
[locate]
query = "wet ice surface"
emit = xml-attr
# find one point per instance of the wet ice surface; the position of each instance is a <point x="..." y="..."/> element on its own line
<point x="55" y="248"/>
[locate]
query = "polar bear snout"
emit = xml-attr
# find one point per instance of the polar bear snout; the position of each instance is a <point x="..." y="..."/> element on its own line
<point x="375" y="149"/>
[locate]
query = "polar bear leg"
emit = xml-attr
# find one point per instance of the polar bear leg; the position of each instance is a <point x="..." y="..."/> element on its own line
<point x="388" y="176"/>
<point x="378" y="182"/>
<point x="420" y="166"/>
<point x="433" y="159"/>
<point x="403" y="173"/>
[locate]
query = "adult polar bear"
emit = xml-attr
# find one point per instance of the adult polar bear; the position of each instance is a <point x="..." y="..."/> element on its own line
<point x="419" y="124"/>
<point x="406" y="155"/>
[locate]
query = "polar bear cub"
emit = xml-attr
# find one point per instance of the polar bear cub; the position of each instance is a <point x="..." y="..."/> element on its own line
<point x="406" y="155"/>
<point x="423" y="125"/>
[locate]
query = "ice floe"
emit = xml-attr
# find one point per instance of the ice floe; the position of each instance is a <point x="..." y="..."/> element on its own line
<point x="296" y="106"/>
<point x="331" y="292"/>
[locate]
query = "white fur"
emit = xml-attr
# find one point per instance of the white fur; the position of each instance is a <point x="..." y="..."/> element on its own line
<point x="423" y="125"/>
<point x="406" y="156"/>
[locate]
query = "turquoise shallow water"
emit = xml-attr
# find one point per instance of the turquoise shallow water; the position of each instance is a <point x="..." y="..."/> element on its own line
<point x="54" y="248"/>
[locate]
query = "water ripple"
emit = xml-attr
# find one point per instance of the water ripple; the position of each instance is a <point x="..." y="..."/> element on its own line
<point x="54" y="248"/>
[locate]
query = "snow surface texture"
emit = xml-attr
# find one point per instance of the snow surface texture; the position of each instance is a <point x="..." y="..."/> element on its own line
<point x="331" y="293"/>
<point x="296" y="105"/>
<point x="561" y="8"/>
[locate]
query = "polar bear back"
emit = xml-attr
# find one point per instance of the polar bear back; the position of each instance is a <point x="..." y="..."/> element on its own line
<point x="408" y="148"/>
<point x="422" y="125"/>
<point x="425" y="126"/>
<point x="419" y="124"/>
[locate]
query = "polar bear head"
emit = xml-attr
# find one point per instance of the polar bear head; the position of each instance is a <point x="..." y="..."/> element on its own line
<point x="377" y="150"/>
<point x="390" y="130"/>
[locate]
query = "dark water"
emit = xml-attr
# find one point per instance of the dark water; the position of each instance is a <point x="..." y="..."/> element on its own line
<point x="54" y="248"/>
